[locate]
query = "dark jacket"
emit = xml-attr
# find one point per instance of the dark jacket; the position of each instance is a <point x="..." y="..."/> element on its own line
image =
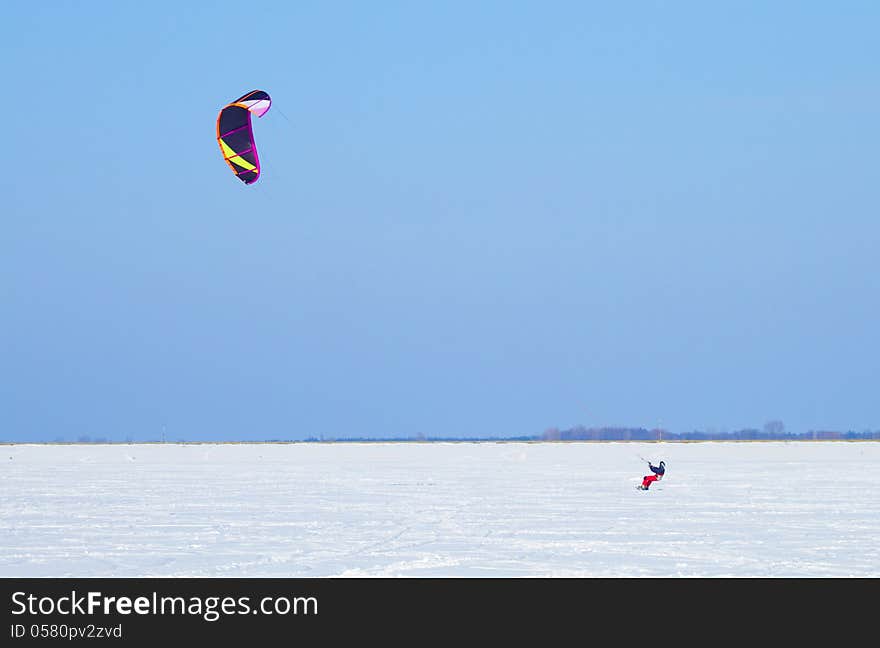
<point x="658" y="470"/>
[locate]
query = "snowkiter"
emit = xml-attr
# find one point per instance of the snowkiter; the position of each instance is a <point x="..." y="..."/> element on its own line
<point x="658" y="472"/>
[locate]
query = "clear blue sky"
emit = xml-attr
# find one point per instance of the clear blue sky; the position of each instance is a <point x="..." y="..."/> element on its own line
<point x="474" y="219"/>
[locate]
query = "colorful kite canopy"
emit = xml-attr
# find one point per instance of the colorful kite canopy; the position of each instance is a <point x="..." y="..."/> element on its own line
<point x="236" y="137"/>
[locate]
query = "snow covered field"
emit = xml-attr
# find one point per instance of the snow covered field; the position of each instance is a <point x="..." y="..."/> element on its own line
<point x="764" y="509"/>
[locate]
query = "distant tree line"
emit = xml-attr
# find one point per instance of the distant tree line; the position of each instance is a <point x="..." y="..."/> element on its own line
<point x="771" y="431"/>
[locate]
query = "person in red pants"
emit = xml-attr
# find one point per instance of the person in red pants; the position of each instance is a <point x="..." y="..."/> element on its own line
<point x="658" y="472"/>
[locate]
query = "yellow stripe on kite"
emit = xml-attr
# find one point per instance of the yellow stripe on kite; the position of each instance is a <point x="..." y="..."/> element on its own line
<point x="232" y="156"/>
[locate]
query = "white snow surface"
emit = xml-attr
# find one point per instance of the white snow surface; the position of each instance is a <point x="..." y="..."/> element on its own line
<point x="488" y="509"/>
